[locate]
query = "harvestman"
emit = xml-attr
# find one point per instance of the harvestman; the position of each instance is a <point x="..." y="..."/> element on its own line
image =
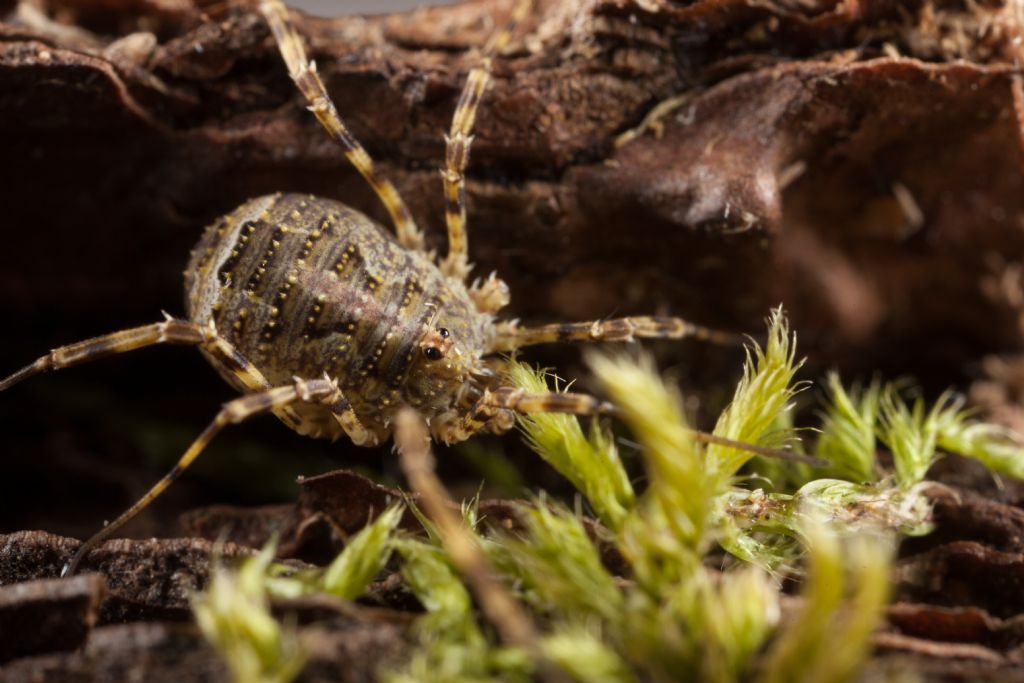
<point x="317" y="315"/>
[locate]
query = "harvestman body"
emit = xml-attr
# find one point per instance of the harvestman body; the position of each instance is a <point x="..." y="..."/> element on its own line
<point x="319" y="316"/>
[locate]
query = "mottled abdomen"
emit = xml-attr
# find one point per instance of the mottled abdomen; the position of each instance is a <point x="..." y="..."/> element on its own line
<point x="303" y="286"/>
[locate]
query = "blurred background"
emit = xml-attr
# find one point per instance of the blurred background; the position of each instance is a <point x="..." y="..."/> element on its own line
<point x="327" y="8"/>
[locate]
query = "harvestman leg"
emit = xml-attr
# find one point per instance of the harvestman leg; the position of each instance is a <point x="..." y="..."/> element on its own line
<point x="182" y="332"/>
<point x="512" y="337"/>
<point x="314" y="391"/>
<point x="458" y="142"/>
<point x="495" y="411"/>
<point x="185" y="333"/>
<point x="170" y="331"/>
<point x="303" y="72"/>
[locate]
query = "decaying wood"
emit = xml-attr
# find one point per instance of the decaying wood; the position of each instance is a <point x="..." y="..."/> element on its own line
<point x="956" y="612"/>
<point x="860" y="162"/>
<point x="61" y="613"/>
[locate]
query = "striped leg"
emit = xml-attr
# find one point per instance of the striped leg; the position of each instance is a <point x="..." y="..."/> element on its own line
<point x="314" y="391"/>
<point x="458" y="142"/>
<point x="350" y="423"/>
<point x="512" y="337"/>
<point x="495" y="412"/>
<point x="303" y="72"/>
<point x="170" y="331"/>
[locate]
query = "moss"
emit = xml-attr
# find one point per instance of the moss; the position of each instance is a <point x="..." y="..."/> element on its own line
<point x="234" y="616"/>
<point x="671" y="617"/>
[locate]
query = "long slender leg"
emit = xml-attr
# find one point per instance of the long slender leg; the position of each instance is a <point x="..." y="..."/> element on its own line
<point x="170" y="331"/>
<point x="303" y="72"/>
<point x="459" y="140"/>
<point x="496" y="409"/>
<point x="233" y="412"/>
<point x="511" y="337"/>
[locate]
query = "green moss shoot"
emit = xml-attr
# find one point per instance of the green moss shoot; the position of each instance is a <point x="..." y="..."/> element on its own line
<point x="591" y="463"/>
<point x="363" y="558"/>
<point x="234" y="616"/>
<point x="765" y="392"/>
<point x="847" y="438"/>
<point x="667" y="615"/>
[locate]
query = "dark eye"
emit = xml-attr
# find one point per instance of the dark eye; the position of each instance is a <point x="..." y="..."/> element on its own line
<point x="443" y="331"/>
<point x="432" y="353"/>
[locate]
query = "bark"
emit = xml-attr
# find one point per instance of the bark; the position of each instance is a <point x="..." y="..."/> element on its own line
<point x="858" y="161"/>
<point x="955" y="613"/>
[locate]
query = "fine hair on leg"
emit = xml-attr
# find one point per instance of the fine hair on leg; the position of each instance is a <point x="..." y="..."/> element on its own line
<point x="303" y="73"/>
<point x="512" y="337"/>
<point x="459" y="140"/>
<point x="233" y="412"/>
<point x="493" y="405"/>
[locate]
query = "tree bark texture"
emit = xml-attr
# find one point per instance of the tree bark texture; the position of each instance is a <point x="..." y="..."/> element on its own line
<point x="859" y="161"/>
